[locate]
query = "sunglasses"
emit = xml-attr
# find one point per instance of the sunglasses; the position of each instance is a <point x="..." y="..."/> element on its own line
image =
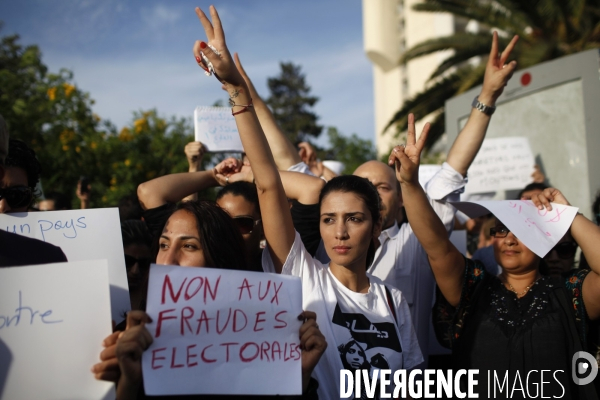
<point x="564" y="250"/>
<point x="143" y="263"/>
<point x="499" y="232"/>
<point x="245" y="224"/>
<point x="17" y="196"/>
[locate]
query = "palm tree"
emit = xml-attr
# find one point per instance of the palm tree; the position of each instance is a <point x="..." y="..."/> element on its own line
<point x="548" y="29"/>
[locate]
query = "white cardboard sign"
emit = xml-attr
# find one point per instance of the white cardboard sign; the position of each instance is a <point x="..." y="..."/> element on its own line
<point x="93" y="234"/>
<point x="501" y="164"/>
<point x="53" y="319"/>
<point x="221" y="331"/>
<point x="539" y="230"/>
<point x="215" y="127"/>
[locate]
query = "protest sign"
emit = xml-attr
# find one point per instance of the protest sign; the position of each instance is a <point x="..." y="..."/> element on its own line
<point x="501" y="164"/>
<point x="53" y="319"/>
<point x="539" y="230"/>
<point x="82" y="235"/>
<point x="221" y="331"/>
<point x="215" y="127"/>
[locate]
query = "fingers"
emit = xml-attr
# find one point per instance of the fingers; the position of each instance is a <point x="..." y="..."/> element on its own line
<point x="411" y="137"/>
<point x="108" y="353"/>
<point x="111" y="339"/>
<point x="107" y="370"/>
<point x="208" y="27"/>
<point x="307" y="315"/>
<point x="494" y="50"/>
<point x="423" y="138"/>
<point x="393" y="156"/>
<point x="219" y="34"/>
<point x="138" y="335"/>
<point x="508" y="50"/>
<point x="137" y="317"/>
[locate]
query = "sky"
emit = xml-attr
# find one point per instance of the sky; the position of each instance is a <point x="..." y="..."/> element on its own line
<point x="137" y="55"/>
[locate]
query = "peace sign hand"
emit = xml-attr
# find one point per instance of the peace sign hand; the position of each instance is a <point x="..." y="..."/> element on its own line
<point x="407" y="157"/>
<point x="497" y="71"/>
<point x="224" y="67"/>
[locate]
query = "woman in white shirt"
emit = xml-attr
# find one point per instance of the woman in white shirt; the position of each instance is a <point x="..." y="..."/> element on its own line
<point x="351" y="305"/>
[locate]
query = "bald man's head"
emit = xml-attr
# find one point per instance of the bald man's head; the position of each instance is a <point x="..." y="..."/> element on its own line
<point x="384" y="179"/>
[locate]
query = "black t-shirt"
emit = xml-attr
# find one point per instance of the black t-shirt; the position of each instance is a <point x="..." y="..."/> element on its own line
<point x="17" y="250"/>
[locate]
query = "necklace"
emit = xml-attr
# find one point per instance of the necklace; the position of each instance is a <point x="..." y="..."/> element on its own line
<point x="524" y="292"/>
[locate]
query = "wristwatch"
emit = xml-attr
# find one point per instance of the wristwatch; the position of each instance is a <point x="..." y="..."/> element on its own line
<point x="487" y="110"/>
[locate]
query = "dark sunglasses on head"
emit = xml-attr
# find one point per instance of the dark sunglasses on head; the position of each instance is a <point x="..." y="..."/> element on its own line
<point x="17" y="196"/>
<point x="564" y="250"/>
<point x="499" y="232"/>
<point x="245" y="224"/>
<point x="143" y="263"/>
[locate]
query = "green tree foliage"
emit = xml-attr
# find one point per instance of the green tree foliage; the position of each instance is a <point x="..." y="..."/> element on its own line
<point x="352" y="151"/>
<point x="291" y="104"/>
<point x="49" y="113"/>
<point x="547" y="29"/>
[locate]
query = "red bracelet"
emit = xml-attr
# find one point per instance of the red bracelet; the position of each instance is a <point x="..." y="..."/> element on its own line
<point x="244" y="109"/>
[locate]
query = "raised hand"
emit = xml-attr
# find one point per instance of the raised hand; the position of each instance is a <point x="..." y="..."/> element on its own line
<point x="225" y="169"/>
<point x="497" y="71"/>
<point x="225" y="69"/>
<point x="194" y="151"/>
<point x="543" y="199"/>
<point x="251" y="88"/>
<point x="406" y="158"/>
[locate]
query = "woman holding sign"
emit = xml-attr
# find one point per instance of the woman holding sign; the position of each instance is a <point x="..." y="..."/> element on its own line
<point x="364" y="321"/>
<point x="521" y="330"/>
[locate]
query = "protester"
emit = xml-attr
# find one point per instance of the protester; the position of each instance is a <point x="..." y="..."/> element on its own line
<point x="54" y="201"/>
<point x="519" y="321"/>
<point x="16" y="250"/>
<point x="342" y="293"/>
<point x="197" y="234"/>
<point x="22" y="173"/>
<point x="137" y="246"/>
<point x="400" y="260"/>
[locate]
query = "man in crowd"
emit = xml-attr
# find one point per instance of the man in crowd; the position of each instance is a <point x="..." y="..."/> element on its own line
<point x="15" y="249"/>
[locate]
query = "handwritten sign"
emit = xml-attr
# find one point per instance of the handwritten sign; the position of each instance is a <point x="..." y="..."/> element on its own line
<point x="222" y="332"/>
<point x="539" y="230"/>
<point x="216" y="128"/>
<point x="501" y="164"/>
<point x="82" y="235"/>
<point x="53" y="319"/>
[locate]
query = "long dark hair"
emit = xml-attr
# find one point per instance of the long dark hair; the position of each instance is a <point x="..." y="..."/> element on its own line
<point x="343" y="350"/>
<point x="221" y="240"/>
<point x="364" y="189"/>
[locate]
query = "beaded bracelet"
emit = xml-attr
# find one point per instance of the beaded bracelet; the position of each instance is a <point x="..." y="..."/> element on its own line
<point x="244" y="109"/>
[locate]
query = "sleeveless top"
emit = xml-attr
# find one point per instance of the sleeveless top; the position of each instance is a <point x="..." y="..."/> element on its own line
<point x="519" y="345"/>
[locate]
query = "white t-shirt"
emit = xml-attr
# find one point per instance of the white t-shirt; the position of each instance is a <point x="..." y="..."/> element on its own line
<point x="357" y="326"/>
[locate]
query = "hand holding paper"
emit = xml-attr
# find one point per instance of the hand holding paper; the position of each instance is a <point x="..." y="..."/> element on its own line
<point x="538" y="229"/>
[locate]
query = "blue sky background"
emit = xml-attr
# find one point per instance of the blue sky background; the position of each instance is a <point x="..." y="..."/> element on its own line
<point x="137" y="55"/>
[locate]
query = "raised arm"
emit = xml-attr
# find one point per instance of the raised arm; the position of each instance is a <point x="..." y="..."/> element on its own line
<point x="446" y="261"/>
<point x="297" y="186"/>
<point x="587" y="236"/>
<point x="194" y="151"/>
<point x="175" y="187"/>
<point x="284" y="152"/>
<point x="276" y="218"/>
<point x="497" y="74"/>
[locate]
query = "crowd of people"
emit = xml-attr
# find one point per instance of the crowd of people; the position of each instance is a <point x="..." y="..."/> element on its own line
<point x="371" y="248"/>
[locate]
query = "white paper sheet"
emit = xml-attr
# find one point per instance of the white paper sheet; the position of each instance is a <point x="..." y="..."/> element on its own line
<point x="222" y="332"/>
<point x="501" y="164"/>
<point x="215" y="127"/>
<point x="53" y="319"/>
<point x="539" y="230"/>
<point x="93" y="234"/>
